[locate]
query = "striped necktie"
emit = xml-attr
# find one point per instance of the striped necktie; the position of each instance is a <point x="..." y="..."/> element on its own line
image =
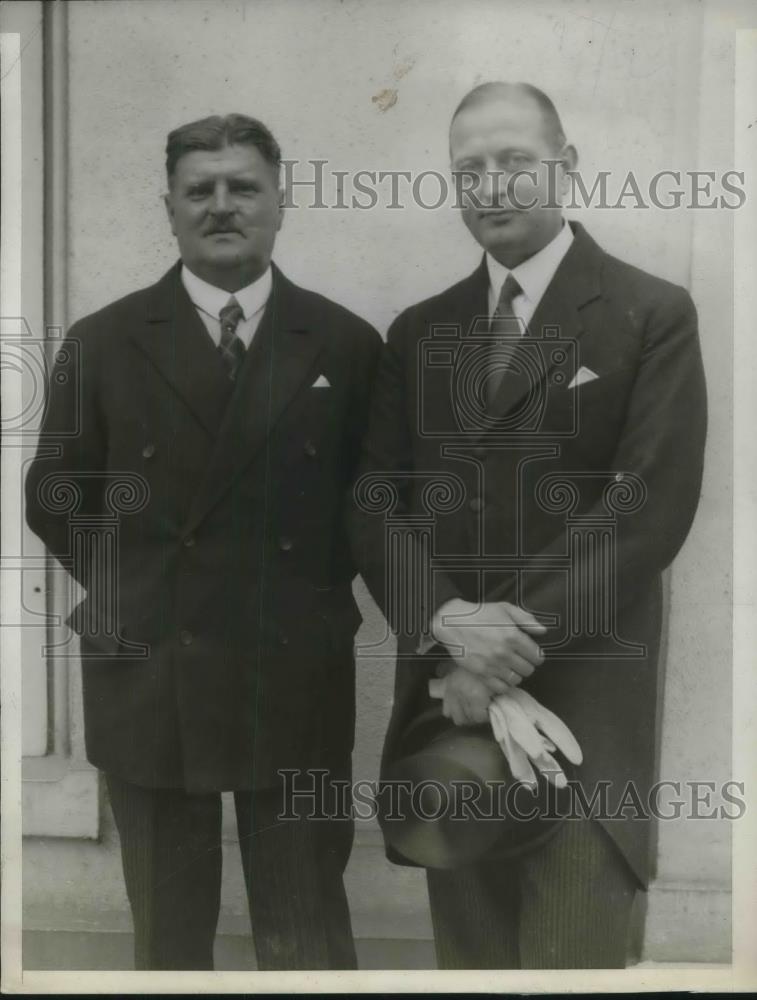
<point x="505" y="329"/>
<point x="231" y="348"/>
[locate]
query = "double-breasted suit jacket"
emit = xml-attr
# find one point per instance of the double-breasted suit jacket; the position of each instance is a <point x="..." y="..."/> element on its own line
<point x="219" y="648"/>
<point x="569" y="498"/>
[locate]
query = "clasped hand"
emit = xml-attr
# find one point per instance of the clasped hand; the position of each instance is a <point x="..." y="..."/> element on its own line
<point x="493" y="641"/>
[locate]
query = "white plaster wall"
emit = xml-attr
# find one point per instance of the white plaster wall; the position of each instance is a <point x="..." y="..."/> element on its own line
<point x="310" y="68"/>
<point x="626" y="78"/>
<point x="698" y="737"/>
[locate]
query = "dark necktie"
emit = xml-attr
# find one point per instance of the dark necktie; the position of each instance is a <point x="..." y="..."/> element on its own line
<point x="505" y="331"/>
<point x="231" y="348"/>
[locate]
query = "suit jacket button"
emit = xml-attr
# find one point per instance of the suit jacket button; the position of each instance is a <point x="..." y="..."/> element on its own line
<point x="310" y="449"/>
<point x="476" y="505"/>
<point x="283" y="639"/>
<point x="185" y="637"/>
<point x="619" y="477"/>
<point x="189" y="541"/>
<point x="148" y="451"/>
<point x="285" y="544"/>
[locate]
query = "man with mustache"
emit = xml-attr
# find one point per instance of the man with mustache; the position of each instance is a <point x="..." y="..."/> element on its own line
<point x="217" y="641"/>
<point x="557" y="394"/>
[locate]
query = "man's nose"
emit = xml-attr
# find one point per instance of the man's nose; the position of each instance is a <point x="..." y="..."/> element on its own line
<point x="490" y="185"/>
<point x="221" y="202"/>
<point x="495" y="185"/>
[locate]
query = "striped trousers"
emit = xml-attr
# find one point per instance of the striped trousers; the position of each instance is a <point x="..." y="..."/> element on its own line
<point x="566" y="905"/>
<point x="293" y="868"/>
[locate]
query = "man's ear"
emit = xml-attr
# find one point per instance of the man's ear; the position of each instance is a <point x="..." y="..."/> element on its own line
<point x="569" y="157"/>
<point x="282" y="202"/>
<point x="167" y="201"/>
<point x="569" y="161"/>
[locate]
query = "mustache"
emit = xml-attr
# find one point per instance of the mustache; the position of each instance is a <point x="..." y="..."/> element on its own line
<point x="497" y="210"/>
<point x="219" y="227"/>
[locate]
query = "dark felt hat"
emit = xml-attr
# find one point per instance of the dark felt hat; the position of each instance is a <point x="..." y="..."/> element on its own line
<point x="447" y="797"/>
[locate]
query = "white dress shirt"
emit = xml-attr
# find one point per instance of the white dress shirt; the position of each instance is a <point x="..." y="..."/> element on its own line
<point x="533" y="275"/>
<point x="209" y="301"/>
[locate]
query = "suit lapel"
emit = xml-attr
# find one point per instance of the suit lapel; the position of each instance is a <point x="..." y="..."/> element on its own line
<point x="459" y="314"/>
<point x="279" y="363"/>
<point x="556" y="318"/>
<point x="178" y="345"/>
<point x="470" y="306"/>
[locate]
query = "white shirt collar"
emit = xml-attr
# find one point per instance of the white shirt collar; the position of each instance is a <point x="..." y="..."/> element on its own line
<point x="211" y="299"/>
<point x="535" y="273"/>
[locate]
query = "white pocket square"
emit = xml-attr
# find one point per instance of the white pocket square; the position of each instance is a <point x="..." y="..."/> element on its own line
<point x="321" y="383"/>
<point x="582" y="375"/>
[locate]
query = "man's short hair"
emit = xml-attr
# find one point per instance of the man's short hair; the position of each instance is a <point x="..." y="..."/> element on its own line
<point x="499" y="88"/>
<point x="217" y="132"/>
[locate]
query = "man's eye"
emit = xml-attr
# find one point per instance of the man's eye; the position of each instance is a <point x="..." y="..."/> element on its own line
<point x="469" y="175"/>
<point x="519" y="161"/>
<point x="197" y="192"/>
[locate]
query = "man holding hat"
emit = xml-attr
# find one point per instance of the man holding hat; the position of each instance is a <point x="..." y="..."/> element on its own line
<point x="541" y="425"/>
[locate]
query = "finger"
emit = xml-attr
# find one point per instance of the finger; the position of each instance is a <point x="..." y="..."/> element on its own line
<point x="494" y="685"/>
<point x="476" y="664"/>
<point x="553" y="728"/>
<point x="525" y="620"/>
<point x="510" y="641"/>
<point x="523" y="732"/>
<point x="522" y="644"/>
<point x="499" y="669"/>
<point x="455" y="714"/>
<point x="563" y="739"/>
<point x="469" y="689"/>
<point x="495" y="720"/>
<point x="436" y="687"/>
<point x="477" y="714"/>
<point x="551" y="770"/>
<point x="519" y="726"/>
<point x="518" y="667"/>
<point x="551" y="725"/>
<point x="517" y="759"/>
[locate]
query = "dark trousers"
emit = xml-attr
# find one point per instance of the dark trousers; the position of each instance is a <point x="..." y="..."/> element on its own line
<point x="293" y="868"/>
<point x="566" y="905"/>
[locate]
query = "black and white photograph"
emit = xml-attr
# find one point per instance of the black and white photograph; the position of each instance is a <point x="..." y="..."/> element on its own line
<point x="379" y="567"/>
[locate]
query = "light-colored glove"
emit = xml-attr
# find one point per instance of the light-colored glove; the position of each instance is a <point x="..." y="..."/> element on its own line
<point x="527" y="733"/>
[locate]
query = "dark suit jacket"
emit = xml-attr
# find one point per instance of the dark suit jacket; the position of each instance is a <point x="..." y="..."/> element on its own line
<point x="235" y="571"/>
<point x="617" y="458"/>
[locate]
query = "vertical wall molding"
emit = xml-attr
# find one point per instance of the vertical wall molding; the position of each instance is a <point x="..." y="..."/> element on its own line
<point x="55" y="91"/>
<point x="60" y="790"/>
